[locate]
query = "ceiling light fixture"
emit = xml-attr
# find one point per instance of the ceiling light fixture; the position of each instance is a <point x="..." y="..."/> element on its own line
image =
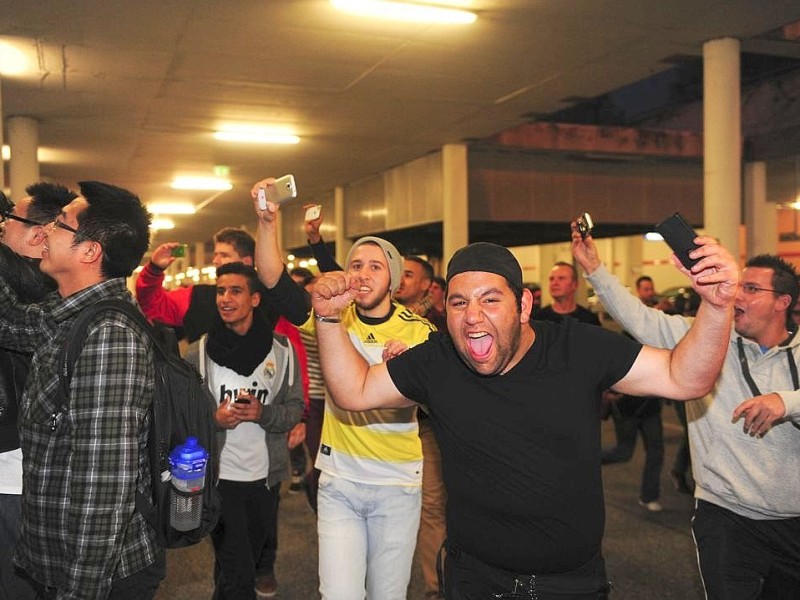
<point x="406" y="11"/>
<point x="201" y="183"/>
<point x="161" y="223"/>
<point x="171" y="208"/>
<point x="255" y="136"/>
<point x="12" y="60"/>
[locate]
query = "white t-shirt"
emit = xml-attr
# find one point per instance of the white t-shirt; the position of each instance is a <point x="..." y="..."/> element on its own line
<point x="11" y="472"/>
<point x="244" y="456"/>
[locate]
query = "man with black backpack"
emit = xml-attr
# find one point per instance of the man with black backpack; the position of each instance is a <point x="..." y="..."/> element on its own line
<point x="81" y="536"/>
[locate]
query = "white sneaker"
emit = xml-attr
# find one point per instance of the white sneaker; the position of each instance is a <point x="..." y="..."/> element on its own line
<point x="651" y="506"/>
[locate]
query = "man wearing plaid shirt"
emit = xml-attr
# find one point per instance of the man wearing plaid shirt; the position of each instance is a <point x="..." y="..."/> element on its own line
<point x="81" y="536"/>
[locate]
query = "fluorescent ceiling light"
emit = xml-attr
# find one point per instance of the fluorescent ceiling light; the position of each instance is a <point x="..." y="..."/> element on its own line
<point x="405" y="11"/>
<point x="45" y="154"/>
<point x="171" y="208"/>
<point x="161" y="223"/>
<point x="252" y="135"/>
<point x="12" y="60"/>
<point x="201" y="183"/>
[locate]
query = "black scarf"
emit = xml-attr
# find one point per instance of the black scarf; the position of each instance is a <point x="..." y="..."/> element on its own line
<point x="241" y="353"/>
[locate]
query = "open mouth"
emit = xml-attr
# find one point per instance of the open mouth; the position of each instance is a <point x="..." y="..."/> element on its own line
<point x="480" y="344"/>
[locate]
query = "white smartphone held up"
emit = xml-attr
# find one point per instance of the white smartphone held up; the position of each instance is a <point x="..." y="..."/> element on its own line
<point x="283" y="190"/>
<point x="313" y="212"/>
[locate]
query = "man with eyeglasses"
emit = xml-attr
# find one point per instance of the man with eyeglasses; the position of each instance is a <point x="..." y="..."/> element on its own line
<point x="22" y="236"/>
<point x="85" y="459"/>
<point x="744" y="435"/>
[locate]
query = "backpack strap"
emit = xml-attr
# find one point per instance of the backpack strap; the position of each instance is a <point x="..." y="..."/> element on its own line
<point x="72" y="348"/>
<point x="76" y="337"/>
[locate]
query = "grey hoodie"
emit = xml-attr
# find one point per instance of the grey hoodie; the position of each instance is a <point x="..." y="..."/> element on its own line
<point x="752" y="477"/>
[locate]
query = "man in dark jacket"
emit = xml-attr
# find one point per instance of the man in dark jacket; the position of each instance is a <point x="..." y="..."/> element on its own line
<point x="22" y="234"/>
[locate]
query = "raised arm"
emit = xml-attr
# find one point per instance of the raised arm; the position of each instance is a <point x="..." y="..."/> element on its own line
<point x="646" y="324"/>
<point x="158" y="304"/>
<point x="352" y="383"/>
<point x="691" y="368"/>
<point x="325" y="261"/>
<point x="268" y="253"/>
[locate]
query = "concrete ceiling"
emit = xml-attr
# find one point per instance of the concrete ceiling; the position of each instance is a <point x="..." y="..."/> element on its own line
<point x="130" y="92"/>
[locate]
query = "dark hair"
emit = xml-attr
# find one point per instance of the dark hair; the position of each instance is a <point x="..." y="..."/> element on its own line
<point x="643" y="278"/>
<point x="304" y="274"/>
<point x="784" y="277"/>
<point x="427" y="269"/>
<point x="572" y="268"/>
<point x="47" y="200"/>
<point x="118" y="221"/>
<point x="441" y="281"/>
<point x="242" y="242"/>
<point x="238" y="268"/>
<point x="533" y="287"/>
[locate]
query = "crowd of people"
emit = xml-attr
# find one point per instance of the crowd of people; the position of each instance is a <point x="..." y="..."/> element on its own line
<point x="452" y="416"/>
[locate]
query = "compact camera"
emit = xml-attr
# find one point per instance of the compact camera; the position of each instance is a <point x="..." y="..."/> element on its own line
<point x="585" y="225"/>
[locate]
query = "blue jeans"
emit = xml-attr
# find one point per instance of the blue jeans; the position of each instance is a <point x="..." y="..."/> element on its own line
<point x="367" y="534"/>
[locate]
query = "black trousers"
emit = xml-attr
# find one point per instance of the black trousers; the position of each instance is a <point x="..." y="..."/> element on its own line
<point x="743" y="558"/>
<point x="142" y="585"/>
<point x="249" y="517"/>
<point x="467" y="578"/>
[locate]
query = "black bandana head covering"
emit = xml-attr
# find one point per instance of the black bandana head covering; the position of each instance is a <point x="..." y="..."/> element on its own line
<point x="489" y="258"/>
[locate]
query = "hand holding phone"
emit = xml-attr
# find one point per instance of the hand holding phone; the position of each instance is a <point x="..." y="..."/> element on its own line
<point x="262" y="199"/>
<point x="679" y="235"/>
<point x="283" y="190"/>
<point x="313" y="212"/>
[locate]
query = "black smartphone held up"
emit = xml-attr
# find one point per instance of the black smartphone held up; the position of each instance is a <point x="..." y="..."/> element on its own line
<point x="585" y="225"/>
<point x="680" y="237"/>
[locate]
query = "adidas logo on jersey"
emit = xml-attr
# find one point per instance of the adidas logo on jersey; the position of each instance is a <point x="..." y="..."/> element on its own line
<point x="370" y="339"/>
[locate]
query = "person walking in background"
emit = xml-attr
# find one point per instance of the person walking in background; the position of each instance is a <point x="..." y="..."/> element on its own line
<point x="642" y="415"/>
<point x="563" y="281"/>
<point x="413" y="293"/>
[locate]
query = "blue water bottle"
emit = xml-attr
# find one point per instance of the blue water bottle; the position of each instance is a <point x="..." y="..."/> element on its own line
<point x="188" y="469"/>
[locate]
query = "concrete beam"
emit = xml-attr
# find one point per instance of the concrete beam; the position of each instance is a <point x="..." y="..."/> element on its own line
<point x="601" y="139"/>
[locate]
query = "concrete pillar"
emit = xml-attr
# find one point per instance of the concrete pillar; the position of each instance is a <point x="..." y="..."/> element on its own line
<point x="200" y="254"/>
<point x="722" y="141"/>
<point x="23" y="140"/>
<point x="342" y="243"/>
<point x="455" y="200"/>
<point x="760" y="216"/>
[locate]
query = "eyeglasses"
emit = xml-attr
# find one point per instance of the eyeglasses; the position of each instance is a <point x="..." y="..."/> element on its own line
<point x="750" y="288"/>
<point x="62" y="225"/>
<point x="7" y="215"/>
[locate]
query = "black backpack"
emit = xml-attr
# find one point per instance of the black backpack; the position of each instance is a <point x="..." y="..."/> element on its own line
<point x="181" y="407"/>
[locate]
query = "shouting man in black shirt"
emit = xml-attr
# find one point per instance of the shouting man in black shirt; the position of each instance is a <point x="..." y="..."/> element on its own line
<point x="515" y="409"/>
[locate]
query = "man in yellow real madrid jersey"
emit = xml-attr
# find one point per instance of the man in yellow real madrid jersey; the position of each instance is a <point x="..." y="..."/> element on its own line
<point x="371" y="461"/>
